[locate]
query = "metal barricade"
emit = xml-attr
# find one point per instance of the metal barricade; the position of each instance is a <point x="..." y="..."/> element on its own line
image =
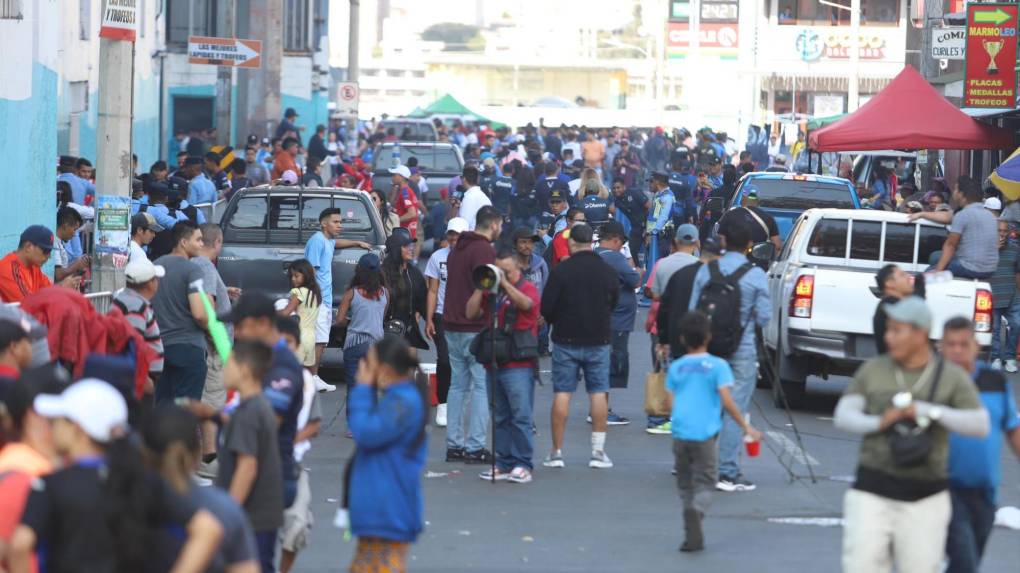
<point x="101" y="301"/>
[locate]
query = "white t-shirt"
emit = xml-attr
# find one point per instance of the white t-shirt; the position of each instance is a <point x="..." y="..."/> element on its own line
<point x="436" y="269"/>
<point x="136" y="252"/>
<point x="306" y="413"/>
<point x="474" y="199"/>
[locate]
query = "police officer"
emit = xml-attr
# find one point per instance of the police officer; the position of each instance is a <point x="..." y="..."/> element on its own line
<point x="524" y="207"/>
<point x="682" y="183"/>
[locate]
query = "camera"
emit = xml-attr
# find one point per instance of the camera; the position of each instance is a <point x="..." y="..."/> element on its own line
<point x="487" y="277"/>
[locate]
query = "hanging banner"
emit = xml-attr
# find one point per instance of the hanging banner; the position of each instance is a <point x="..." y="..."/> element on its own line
<point x="119" y="20"/>
<point x="990" y="80"/>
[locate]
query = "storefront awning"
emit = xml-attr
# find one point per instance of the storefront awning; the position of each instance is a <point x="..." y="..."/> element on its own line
<point x="908" y="114"/>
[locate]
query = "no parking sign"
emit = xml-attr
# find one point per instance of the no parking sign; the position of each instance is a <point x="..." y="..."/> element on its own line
<point x="347" y="95"/>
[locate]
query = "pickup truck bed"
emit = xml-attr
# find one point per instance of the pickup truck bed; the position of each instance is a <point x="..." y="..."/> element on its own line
<point x="825" y="296"/>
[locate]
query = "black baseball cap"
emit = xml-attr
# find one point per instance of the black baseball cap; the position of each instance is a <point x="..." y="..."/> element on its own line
<point x="194" y="160"/>
<point x="369" y="261"/>
<point x="290" y="112"/>
<point x="39" y="236"/>
<point x="711" y="246"/>
<point x="582" y="233"/>
<point x="250" y="305"/>
<point x="525" y="233"/>
<point x="613" y="229"/>
<point x="398" y="240"/>
<point x="556" y="195"/>
<point x="659" y="176"/>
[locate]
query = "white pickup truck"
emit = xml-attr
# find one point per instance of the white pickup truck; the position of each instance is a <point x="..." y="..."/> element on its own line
<point x="824" y="294"/>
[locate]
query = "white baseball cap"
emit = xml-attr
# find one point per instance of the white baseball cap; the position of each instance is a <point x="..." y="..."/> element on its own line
<point x="457" y="225"/>
<point x="141" y="271"/>
<point x="401" y="170"/>
<point x="91" y="403"/>
<point x="993" y="203"/>
<point x="289" y="177"/>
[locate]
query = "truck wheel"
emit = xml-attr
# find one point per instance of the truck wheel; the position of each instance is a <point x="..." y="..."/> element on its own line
<point x="796" y="393"/>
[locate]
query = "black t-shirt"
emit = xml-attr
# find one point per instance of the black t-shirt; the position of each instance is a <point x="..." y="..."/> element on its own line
<point x="67" y="512"/>
<point x="632" y="204"/>
<point x="742" y="216"/>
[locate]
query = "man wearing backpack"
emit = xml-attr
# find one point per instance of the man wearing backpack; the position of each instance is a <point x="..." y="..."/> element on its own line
<point x="733" y="292"/>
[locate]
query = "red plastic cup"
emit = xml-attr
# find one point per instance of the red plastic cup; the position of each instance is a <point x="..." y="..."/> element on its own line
<point x="753" y="448"/>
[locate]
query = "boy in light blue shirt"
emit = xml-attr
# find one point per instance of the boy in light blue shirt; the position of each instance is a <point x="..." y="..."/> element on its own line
<point x="699" y="386"/>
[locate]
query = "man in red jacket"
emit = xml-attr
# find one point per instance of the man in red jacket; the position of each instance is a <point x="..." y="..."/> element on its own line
<point x="466" y="441"/>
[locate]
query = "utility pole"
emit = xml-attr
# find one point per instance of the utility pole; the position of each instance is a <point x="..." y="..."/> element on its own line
<point x="353" y="70"/>
<point x="113" y="161"/>
<point x="853" y="81"/>
<point x="225" y="77"/>
<point x="258" y="101"/>
<point x="929" y="70"/>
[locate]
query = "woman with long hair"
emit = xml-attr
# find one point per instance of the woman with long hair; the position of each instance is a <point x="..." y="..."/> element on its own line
<point x="305" y="299"/>
<point x="407" y="288"/>
<point x="102" y="511"/>
<point x="382" y="481"/>
<point x="172" y="448"/>
<point x="365" y="300"/>
<point x="390" y="220"/>
<point x="594" y="201"/>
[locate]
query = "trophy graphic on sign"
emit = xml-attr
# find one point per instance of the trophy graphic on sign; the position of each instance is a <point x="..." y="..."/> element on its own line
<point x="993" y="47"/>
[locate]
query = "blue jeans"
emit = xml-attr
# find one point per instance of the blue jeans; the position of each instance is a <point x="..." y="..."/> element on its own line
<point x="731" y="439"/>
<point x="265" y="542"/>
<point x="570" y="361"/>
<point x="514" y="396"/>
<point x="958" y="270"/>
<point x="619" y="359"/>
<point x="352" y="357"/>
<point x="1012" y="337"/>
<point x="969" y="528"/>
<point x="467" y="391"/>
<point x="184" y="370"/>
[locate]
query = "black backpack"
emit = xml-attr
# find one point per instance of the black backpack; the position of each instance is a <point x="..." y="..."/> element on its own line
<point x="163" y="242"/>
<point x="720" y="300"/>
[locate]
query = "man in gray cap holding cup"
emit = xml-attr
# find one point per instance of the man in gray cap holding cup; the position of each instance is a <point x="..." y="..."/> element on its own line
<point x="905" y="404"/>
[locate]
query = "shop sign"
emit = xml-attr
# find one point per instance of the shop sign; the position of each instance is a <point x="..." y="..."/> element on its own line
<point x="990" y="77"/>
<point x="813" y="45"/>
<point x="949" y="43"/>
<point x="714" y="40"/>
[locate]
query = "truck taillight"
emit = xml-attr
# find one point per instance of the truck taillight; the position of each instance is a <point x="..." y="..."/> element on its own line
<point x="983" y="311"/>
<point x="803" y="293"/>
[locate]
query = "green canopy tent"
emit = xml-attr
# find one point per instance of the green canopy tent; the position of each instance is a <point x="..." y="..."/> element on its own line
<point x="820" y="122"/>
<point x="448" y="105"/>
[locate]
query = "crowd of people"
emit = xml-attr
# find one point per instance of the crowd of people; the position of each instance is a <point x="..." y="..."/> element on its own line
<point x="575" y="230"/>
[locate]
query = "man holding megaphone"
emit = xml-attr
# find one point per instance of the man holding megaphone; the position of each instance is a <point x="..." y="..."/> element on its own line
<point x="516" y="301"/>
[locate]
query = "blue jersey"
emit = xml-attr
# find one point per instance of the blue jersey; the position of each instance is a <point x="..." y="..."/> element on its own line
<point x="596" y="209"/>
<point x="685" y="208"/>
<point x="501" y="192"/>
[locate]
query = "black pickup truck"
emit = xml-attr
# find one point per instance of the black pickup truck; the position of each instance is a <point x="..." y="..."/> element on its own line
<point x="266" y="228"/>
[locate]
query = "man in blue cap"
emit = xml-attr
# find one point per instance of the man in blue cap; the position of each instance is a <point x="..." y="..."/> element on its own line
<point x="21" y="270"/>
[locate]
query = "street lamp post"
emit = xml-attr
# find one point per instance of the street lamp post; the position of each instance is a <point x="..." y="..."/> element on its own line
<point x="653" y="65"/>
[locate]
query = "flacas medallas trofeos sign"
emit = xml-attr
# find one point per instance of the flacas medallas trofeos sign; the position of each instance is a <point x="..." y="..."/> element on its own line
<point x="991" y="80"/>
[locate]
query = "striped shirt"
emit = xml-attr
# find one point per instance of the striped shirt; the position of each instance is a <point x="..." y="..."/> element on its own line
<point x="1003" y="281"/>
<point x="139" y="313"/>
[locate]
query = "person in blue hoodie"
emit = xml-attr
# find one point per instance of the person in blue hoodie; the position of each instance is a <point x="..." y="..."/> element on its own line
<point x="384" y="477"/>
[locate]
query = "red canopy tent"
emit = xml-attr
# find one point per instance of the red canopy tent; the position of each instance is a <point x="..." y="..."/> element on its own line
<point x="908" y="114"/>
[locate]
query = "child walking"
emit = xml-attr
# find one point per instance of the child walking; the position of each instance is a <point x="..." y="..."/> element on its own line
<point x="305" y="299"/>
<point x="699" y="385"/>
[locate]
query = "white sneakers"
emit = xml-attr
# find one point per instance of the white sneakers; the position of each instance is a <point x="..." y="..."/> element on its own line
<point x="323" y="386"/>
<point x="441" y="415"/>
<point x="1010" y="365"/>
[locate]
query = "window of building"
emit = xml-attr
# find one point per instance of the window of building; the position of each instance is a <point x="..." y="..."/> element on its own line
<point x="815" y="13"/>
<point x="84" y="19"/>
<point x="10" y="9"/>
<point x="369" y="72"/>
<point x="202" y="21"/>
<point x="297" y="25"/>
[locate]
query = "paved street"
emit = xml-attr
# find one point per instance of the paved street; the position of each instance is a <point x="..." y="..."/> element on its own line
<point x="627" y="518"/>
